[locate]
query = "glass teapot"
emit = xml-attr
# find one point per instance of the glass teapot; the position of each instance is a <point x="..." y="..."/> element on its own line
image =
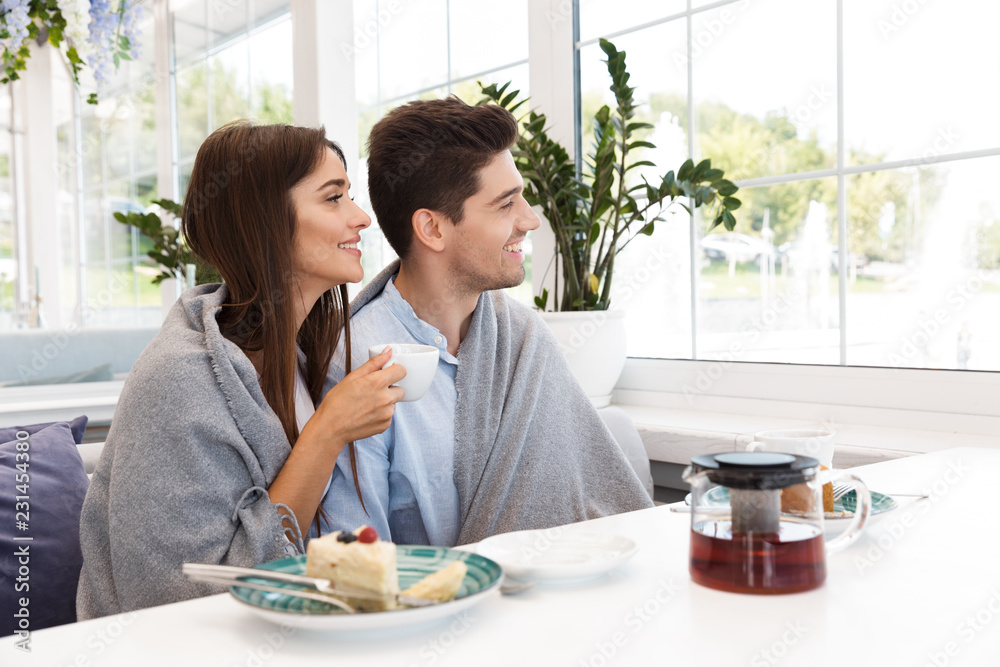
<point x="757" y="521"/>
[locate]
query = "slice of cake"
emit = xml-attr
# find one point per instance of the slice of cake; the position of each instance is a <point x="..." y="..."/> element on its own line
<point x="356" y="560"/>
<point x="442" y="585"/>
<point x="798" y="499"/>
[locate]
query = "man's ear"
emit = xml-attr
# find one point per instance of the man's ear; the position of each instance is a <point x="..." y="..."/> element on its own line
<point x="428" y="229"/>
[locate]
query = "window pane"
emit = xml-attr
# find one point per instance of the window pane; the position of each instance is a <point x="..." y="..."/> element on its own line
<point x="120" y="235"/>
<point x="652" y="283"/>
<point x="469" y="91"/>
<point x="229" y="82"/>
<point x="91" y="148"/>
<point x="144" y="128"/>
<point x="113" y="114"/>
<point x="226" y="21"/>
<point x="190" y="36"/>
<point x="603" y="17"/>
<point x="939" y="91"/>
<point x="485" y="35"/>
<point x="661" y="95"/>
<point x="184" y="178"/>
<point x="263" y="11"/>
<point x="752" y="119"/>
<point x="924" y="286"/>
<point x="68" y="250"/>
<point x="365" y="54"/>
<point x="413" y="48"/>
<point x="8" y="263"/>
<point x="93" y="226"/>
<point x="192" y="109"/>
<point x="769" y="291"/>
<point x="271" y="74"/>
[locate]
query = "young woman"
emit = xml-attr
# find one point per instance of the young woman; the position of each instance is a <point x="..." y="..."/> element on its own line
<point x="228" y="427"/>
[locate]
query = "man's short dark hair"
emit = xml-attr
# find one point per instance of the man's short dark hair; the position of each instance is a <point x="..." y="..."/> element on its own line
<point x="428" y="154"/>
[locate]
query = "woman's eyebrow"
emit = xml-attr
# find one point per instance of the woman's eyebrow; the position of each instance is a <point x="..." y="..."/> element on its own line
<point x="339" y="182"/>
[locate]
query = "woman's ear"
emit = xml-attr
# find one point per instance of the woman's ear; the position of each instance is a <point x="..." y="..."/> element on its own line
<point x="427" y="229"/>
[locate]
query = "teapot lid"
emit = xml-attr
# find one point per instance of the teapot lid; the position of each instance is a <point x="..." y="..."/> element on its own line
<point x="756" y="470"/>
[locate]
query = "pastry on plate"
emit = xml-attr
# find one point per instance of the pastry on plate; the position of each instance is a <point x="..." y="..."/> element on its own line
<point x="356" y="560"/>
<point x="442" y="585"/>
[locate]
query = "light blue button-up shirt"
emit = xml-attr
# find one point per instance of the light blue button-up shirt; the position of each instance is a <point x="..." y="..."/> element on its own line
<point x="406" y="473"/>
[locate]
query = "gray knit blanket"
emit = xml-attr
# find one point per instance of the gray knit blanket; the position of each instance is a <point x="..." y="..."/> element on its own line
<point x="530" y="449"/>
<point x="184" y="473"/>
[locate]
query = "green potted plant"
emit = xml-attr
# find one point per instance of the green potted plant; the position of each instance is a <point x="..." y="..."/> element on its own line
<point x="595" y="214"/>
<point x="170" y="252"/>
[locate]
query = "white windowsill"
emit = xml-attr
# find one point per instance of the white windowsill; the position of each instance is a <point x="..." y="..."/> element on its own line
<point x="60" y="402"/>
<point x="674" y="432"/>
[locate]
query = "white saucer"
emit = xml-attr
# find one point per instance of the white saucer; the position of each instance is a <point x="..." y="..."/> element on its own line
<point x="557" y="554"/>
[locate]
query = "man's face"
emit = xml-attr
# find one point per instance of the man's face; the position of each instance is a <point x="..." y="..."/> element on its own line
<point x="485" y="249"/>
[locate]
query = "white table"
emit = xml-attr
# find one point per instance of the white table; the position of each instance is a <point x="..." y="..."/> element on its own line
<point x="921" y="587"/>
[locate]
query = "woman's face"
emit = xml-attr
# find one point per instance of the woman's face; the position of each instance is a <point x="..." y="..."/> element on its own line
<point x="327" y="229"/>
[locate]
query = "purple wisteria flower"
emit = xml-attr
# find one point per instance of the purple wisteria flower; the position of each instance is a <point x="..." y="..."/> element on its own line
<point x="98" y="33"/>
<point x="15" y="18"/>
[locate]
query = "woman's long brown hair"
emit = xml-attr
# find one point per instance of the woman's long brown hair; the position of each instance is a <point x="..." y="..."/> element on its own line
<point x="239" y="217"/>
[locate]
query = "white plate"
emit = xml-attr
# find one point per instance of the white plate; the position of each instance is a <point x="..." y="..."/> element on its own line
<point x="559" y="553"/>
<point x="482" y="579"/>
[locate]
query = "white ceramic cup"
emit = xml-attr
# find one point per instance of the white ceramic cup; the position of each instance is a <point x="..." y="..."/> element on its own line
<point x="420" y="362"/>
<point x="815" y="442"/>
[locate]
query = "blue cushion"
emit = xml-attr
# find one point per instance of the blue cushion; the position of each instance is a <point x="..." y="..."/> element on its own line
<point x="47" y="575"/>
<point x="78" y="426"/>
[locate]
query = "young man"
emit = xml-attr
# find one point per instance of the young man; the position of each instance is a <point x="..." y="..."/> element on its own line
<point x="504" y="439"/>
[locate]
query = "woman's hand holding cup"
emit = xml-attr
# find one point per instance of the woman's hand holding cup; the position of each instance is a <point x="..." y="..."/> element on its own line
<point x="362" y="404"/>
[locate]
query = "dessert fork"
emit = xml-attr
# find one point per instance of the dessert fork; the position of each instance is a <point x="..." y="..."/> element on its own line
<point x="839" y="490"/>
<point x="229" y="575"/>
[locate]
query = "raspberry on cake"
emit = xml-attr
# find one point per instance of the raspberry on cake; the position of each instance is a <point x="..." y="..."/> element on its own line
<point x="364" y="564"/>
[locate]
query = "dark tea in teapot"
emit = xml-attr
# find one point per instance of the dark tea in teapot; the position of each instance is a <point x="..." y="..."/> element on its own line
<point x="787" y="561"/>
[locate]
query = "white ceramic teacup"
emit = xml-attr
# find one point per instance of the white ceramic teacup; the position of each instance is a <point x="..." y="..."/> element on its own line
<point x="815" y="442"/>
<point x="420" y="362"/>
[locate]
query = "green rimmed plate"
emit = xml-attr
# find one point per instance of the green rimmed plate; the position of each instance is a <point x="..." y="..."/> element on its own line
<point x="413" y="563"/>
<point x="843" y="507"/>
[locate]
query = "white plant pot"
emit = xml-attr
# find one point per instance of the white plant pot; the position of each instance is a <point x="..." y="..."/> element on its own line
<point x="594" y="345"/>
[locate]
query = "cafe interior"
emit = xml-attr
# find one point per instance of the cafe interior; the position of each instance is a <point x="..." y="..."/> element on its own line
<point x="772" y="171"/>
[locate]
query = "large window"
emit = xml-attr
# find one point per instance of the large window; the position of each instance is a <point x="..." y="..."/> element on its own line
<point x="231" y="60"/>
<point x="116" y="144"/>
<point x="8" y="227"/>
<point x="427" y="49"/>
<point x="869" y="233"/>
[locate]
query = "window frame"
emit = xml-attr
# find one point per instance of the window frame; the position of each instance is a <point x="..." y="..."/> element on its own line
<point x="951" y="400"/>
